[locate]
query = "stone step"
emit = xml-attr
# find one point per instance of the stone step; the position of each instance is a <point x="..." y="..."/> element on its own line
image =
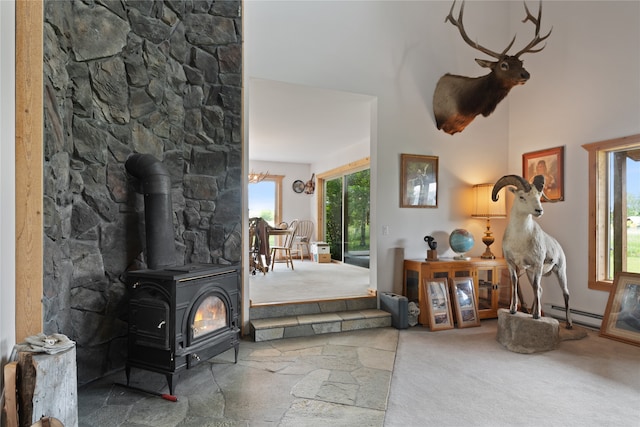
<point x="319" y="323"/>
<point x="288" y="309"/>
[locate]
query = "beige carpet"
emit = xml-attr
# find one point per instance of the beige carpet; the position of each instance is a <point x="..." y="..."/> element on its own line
<point x="464" y="377"/>
<point x="308" y="281"/>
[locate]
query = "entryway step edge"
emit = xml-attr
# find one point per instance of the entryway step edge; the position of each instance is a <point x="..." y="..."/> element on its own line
<point x="317" y="324"/>
<point x="276" y="310"/>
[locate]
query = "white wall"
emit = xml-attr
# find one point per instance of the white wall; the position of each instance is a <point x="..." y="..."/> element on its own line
<point x="395" y="52"/>
<point x="585" y="87"/>
<point x="7" y="185"/>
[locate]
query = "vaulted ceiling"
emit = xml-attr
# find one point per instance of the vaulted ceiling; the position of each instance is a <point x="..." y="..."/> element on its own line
<point x="301" y="124"/>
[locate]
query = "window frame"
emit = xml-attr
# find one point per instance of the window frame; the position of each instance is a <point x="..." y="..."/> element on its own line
<point x="598" y="207"/>
<point x="277" y="179"/>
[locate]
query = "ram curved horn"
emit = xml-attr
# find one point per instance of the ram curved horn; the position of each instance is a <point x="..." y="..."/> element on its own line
<point x="538" y="182"/>
<point x="515" y="180"/>
<point x="546" y="199"/>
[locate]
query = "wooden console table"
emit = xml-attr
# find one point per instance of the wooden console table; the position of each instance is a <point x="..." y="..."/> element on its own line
<point x="490" y="279"/>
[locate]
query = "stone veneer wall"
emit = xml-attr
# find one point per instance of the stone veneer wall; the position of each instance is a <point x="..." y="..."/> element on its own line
<point x="122" y="77"/>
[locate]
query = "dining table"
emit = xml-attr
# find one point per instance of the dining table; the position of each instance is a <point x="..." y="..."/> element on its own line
<point x="272" y="231"/>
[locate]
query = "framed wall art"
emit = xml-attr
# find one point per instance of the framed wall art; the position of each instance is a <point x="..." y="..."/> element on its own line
<point x="438" y="306"/>
<point x="621" y="320"/>
<point x="418" y="181"/>
<point x="549" y="163"/>
<point x="463" y="298"/>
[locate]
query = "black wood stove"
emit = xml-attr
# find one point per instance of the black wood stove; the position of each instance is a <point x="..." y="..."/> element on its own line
<point x="180" y="316"/>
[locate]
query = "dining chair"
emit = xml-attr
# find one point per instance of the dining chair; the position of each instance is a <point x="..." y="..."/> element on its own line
<point x="257" y="246"/>
<point x="286" y="246"/>
<point x="303" y="238"/>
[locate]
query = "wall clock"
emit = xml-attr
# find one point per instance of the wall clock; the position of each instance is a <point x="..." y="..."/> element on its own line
<point x="298" y="186"/>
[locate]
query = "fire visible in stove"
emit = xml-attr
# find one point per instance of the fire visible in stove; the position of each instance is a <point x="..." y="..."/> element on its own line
<point x="210" y="316"/>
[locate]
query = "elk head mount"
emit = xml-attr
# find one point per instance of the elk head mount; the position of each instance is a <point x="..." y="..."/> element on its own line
<point x="457" y="100"/>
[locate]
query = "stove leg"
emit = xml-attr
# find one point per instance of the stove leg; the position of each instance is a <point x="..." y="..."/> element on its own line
<point x="127" y="371"/>
<point x="170" y="382"/>
<point x="236" y="348"/>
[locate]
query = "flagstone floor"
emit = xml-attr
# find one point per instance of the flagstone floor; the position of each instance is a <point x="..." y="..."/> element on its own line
<point x="335" y="379"/>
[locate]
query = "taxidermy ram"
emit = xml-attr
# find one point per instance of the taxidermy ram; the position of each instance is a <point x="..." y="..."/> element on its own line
<point x="526" y="247"/>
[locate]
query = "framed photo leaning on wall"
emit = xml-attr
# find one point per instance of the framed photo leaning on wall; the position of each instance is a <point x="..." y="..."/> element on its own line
<point x="622" y="317"/>
<point x="463" y="298"/>
<point x="549" y="163"/>
<point x="438" y="306"/>
<point x="418" y="181"/>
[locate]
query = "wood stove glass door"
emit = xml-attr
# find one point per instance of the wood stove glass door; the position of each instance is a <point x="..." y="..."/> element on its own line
<point x="209" y="316"/>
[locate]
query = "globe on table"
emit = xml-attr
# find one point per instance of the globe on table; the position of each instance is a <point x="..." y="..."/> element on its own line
<point x="461" y="241"/>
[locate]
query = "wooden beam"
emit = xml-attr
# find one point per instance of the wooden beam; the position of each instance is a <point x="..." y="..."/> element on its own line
<point x="29" y="161"/>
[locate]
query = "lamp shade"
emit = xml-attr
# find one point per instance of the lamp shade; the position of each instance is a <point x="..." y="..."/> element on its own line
<point x="483" y="206"/>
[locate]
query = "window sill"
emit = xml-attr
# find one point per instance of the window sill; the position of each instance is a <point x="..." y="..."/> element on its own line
<point x="601" y="285"/>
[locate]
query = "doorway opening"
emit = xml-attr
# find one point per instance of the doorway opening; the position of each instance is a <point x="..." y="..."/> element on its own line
<point x="296" y="130"/>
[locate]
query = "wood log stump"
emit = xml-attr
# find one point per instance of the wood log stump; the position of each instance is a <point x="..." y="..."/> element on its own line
<point x="48" y="422"/>
<point x="47" y="387"/>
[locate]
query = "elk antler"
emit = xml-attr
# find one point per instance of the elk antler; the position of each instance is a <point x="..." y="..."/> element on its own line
<point x="527" y="49"/>
<point x="536" y="39"/>
<point x="458" y="23"/>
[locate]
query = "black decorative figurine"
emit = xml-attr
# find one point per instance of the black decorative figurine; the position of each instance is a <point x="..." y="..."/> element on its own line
<point x="431" y="242"/>
<point x="432" y="254"/>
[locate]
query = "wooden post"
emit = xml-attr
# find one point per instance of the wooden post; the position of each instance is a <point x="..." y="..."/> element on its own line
<point x="29" y="161"/>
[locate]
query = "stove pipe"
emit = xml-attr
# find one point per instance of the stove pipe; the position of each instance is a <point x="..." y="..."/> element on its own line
<point x="155" y="184"/>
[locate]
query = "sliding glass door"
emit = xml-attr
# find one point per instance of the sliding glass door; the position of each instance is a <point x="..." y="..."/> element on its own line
<point x="333" y="216"/>
<point x="347" y="226"/>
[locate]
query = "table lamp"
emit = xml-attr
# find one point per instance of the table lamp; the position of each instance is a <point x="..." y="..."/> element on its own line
<point x="484" y="207"/>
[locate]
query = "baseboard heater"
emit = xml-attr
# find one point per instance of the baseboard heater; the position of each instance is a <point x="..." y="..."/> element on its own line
<point x="577" y="316"/>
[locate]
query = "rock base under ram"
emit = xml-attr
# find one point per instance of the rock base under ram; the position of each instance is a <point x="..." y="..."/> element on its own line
<point x="521" y="333"/>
